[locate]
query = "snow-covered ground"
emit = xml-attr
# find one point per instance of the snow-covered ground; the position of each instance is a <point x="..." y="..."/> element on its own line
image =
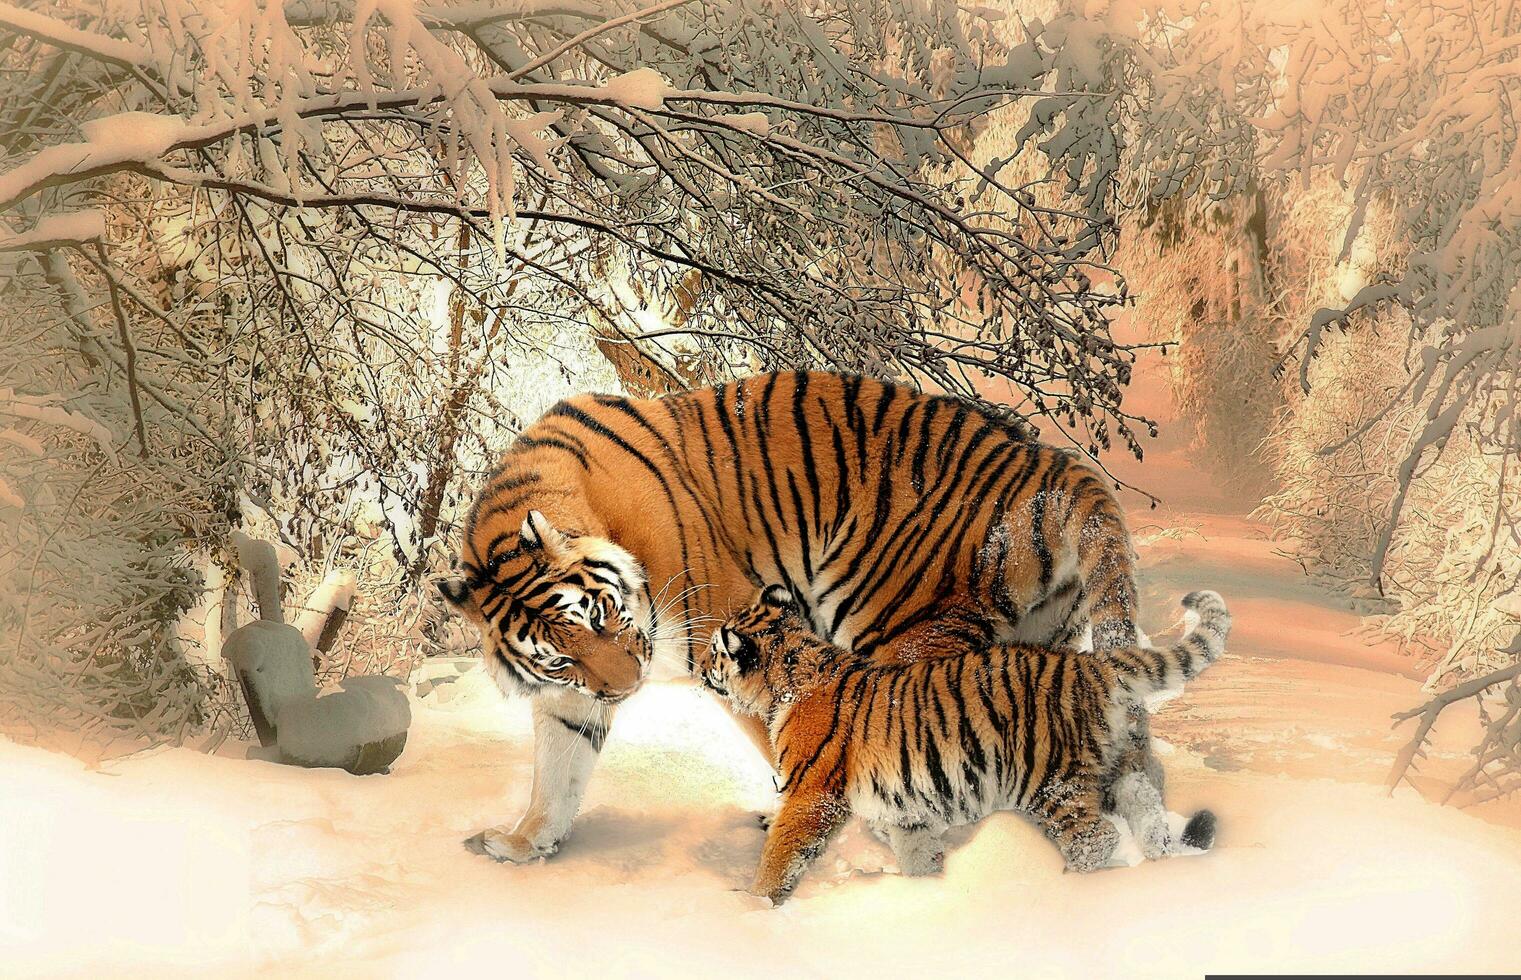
<point x="171" y="862"/>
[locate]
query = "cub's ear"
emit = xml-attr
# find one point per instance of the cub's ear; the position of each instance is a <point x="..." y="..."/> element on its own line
<point x="745" y="653"/>
<point x="454" y="591"/>
<point x="778" y="597"/>
<point x="537" y="533"/>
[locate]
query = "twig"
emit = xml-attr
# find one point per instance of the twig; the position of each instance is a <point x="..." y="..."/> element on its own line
<point x="1429" y="711"/>
<point x="130" y="350"/>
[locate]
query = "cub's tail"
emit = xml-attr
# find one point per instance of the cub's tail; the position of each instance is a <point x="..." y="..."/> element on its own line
<point x="1143" y="671"/>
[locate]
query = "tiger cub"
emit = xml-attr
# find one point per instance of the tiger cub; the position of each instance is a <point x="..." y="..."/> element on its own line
<point x="917" y="747"/>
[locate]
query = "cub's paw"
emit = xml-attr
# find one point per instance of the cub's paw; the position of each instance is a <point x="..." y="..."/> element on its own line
<point x="765" y="899"/>
<point x="919" y="863"/>
<point x="749" y="901"/>
<point x="763" y="820"/>
<point x="1156" y="840"/>
<point x="1091" y="848"/>
<point x="503" y="845"/>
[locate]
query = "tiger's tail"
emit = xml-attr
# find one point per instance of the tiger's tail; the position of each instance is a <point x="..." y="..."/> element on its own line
<point x="1143" y="671"/>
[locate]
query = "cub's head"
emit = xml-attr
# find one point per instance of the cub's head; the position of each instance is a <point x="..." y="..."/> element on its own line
<point x="749" y="656"/>
<point x="554" y="607"/>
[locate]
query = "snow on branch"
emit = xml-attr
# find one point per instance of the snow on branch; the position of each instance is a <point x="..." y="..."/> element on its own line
<point x="61" y="35"/>
<point x="57" y="231"/>
<point x="1497" y="768"/>
<point x="46" y="410"/>
<point x="628" y="129"/>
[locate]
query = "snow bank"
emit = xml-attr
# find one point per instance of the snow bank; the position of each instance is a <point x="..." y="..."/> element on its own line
<point x="367" y="876"/>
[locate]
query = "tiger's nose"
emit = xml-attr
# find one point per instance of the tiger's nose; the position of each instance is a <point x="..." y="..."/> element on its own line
<point x="611" y="670"/>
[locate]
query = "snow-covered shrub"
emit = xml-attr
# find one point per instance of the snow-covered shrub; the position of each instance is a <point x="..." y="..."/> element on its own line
<point x="94" y="568"/>
<point x="1450" y="567"/>
<point x="1388" y="174"/>
<point x="1453" y="566"/>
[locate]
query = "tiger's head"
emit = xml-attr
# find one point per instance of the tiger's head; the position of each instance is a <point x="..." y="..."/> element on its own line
<point x="764" y="653"/>
<point x="555" y="607"/>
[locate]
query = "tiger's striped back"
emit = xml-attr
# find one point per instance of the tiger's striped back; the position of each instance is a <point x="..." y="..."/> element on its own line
<point x="889" y="514"/>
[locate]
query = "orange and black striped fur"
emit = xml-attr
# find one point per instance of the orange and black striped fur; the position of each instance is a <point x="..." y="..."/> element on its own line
<point x="917" y="747"/>
<point x="901" y="522"/>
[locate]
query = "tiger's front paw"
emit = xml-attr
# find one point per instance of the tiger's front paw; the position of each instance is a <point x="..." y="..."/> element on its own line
<point x="500" y="844"/>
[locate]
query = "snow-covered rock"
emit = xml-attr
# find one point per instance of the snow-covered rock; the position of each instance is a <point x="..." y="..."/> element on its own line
<point x="274" y="667"/>
<point x="362" y="727"/>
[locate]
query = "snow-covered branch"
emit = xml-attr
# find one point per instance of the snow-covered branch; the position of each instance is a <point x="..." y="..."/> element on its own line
<point x="58" y="231"/>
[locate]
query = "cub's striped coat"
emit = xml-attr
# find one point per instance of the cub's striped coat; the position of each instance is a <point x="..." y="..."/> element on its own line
<point x="915" y="748"/>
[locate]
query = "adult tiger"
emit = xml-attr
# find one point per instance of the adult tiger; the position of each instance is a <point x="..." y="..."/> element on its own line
<point x="616" y="530"/>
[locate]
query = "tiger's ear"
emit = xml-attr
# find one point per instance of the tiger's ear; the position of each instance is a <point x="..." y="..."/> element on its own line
<point x="454" y="591"/>
<point x="778" y="597"/>
<point x="538" y="534"/>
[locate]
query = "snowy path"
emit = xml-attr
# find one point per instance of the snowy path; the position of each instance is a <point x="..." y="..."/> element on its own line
<point x="164" y="862"/>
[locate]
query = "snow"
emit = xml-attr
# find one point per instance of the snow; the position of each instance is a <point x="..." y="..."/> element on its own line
<point x="61" y="34"/>
<point x="330" y="728"/>
<point x="111" y="142"/>
<point x="755" y="123"/>
<point x="335" y="592"/>
<point x="41" y="409"/>
<point x="360" y="727"/>
<point x="278" y="661"/>
<point x="642" y="88"/>
<point x="256" y="867"/>
<point x="21" y="441"/>
<point x="71" y="226"/>
<point x="9" y="497"/>
<point x="260" y="560"/>
<point x="217" y="861"/>
<point x="186" y="863"/>
<point x="137" y="135"/>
